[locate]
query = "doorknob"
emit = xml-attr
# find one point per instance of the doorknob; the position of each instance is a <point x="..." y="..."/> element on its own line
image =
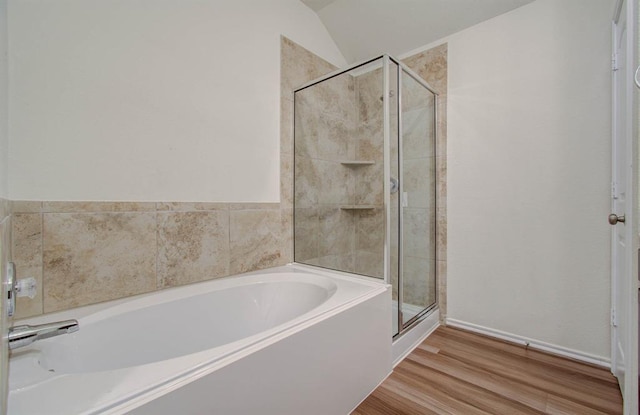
<point x="613" y="219"/>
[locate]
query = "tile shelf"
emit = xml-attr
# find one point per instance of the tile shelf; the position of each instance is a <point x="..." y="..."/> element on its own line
<point x="358" y="207"/>
<point x="357" y="163"/>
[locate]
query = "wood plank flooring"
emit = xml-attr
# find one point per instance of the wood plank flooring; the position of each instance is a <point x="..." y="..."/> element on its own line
<point x="458" y="372"/>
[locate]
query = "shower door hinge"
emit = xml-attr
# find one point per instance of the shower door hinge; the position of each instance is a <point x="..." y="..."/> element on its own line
<point x="614" y="62"/>
<point x="614" y="321"/>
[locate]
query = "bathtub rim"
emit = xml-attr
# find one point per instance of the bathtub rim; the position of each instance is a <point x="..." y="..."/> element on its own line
<point x="90" y="309"/>
<point x="149" y="391"/>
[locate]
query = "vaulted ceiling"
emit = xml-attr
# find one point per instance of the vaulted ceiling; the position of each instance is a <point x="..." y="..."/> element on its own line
<point x="365" y="28"/>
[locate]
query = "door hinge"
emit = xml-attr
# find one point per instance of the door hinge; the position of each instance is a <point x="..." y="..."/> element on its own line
<point x="614" y="323"/>
<point x="614" y="62"/>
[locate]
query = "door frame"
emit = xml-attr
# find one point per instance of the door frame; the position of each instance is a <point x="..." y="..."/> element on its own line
<point x="630" y="280"/>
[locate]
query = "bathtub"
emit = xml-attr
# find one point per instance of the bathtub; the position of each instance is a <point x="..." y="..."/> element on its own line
<point x="287" y="340"/>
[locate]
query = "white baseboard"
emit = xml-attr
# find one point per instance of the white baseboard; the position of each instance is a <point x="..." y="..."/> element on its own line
<point x="532" y="343"/>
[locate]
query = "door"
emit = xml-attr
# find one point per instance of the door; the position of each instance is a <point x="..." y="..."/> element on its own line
<point x="418" y="197"/>
<point x="624" y="282"/>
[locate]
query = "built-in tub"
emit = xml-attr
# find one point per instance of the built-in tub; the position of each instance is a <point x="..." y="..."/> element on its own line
<point x="288" y="340"/>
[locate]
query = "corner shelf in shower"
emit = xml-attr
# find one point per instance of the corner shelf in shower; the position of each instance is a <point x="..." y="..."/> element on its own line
<point x="358" y="207"/>
<point x="357" y="163"/>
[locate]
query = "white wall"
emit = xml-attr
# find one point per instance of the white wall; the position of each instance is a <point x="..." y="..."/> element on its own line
<point x="5" y="223"/>
<point x="529" y="171"/>
<point x="150" y="99"/>
<point x="4" y="140"/>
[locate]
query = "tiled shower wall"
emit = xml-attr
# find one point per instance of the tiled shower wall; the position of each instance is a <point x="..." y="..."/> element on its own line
<point x="325" y="127"/>
<point x="337" y="121"/>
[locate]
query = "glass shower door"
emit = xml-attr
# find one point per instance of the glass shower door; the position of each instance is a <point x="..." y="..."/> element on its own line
<point x="364" y="180"/>
<point x="417" y="198"/>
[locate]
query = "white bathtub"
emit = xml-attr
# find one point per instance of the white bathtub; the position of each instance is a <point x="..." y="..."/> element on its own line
<point x="287" y="340"/>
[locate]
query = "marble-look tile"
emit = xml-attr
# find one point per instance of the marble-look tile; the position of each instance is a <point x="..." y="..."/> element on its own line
<point x="419" y="281"/>
<point x="369" y="189"/>
<point x="441" y="180"/>
<point x="334" y="97"/>
<point x="369" y="95"/>
<point x="254" y="239"/>
<point x="370" y="264"/>
<point x="441" y="267"/>
<point x="26" y="238"/>
<point x="419" y="182"/>
<point x="286" y="220"/>
<point x="431" y="65"/>
<point x="26" y="206"/>
<point x="306" y="127"/>
<point x="299" y="66"/>
<point x="419" y="235"/>
<point x="394" y="275"/>
<point x="370" y="225"/>
<point x="394" y="231"/>
<point x="441" y="133"/>
<point x="415" y="96"/>
<point x="82" y="207"/>
<point x="337" y="231"/>
<point x="370" y="141"/>
<point x="286" y="126"/>
<point x="341" y="262"/>
<point x="286" y="180"/>
<point x="307" y="182"/>
<point x="306" y="234"/>
<point x="418" y="133"/>
<point x="441" y="234"/>
<point x="192" y="247"/>
<point x="323" y="134"/>
<point x="336" y="184"/>
<point x="336" y="139"/>
<point x="254" y="206"/>
<point x="189" y="206"/>
<point x="94" y="257"/>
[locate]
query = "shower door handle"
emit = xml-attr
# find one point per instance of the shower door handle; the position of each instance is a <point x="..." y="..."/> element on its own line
<point x="394" y="185"/>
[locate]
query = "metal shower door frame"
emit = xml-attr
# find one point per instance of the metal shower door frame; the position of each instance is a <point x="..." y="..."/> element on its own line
<point x="402" y="70"/>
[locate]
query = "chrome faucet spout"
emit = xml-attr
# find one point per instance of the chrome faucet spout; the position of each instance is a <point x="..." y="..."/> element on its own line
<point x="20" y="336"/>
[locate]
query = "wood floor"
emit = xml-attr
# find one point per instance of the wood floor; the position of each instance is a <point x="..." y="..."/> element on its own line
<point x="457" y="372"/>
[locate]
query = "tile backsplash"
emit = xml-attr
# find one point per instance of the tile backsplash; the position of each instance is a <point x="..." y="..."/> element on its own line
<point x="87" y="252"/>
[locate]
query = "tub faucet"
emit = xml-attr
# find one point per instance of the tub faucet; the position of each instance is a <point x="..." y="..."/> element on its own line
<point x="20" y="336"/>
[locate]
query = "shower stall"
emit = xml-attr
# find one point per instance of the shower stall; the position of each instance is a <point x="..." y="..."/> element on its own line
<point x="365" y="180"/>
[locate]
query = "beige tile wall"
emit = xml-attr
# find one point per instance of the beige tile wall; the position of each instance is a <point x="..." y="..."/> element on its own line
<point x="325" y="234"/>
<point x="339" y="120"/>
<point x="87" y="252"/>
